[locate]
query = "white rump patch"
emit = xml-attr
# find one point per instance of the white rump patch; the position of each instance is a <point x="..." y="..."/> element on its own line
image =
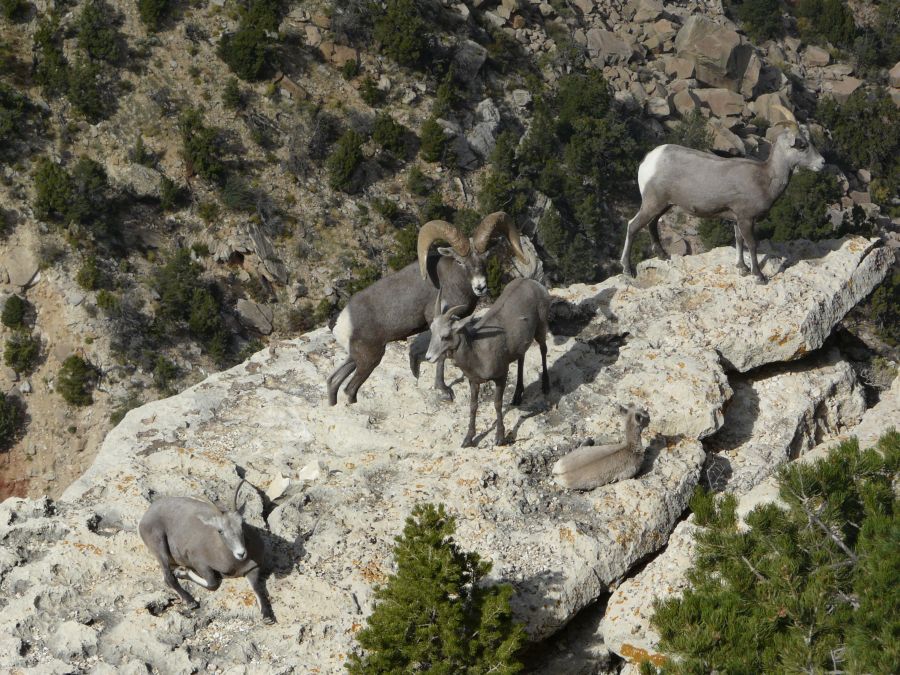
<point x="648" y="167"/>
<point x="343" y="329"/>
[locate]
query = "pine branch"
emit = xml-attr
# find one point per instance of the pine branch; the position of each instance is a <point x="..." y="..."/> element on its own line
<point x="755" y="571"/>
<point x="814" y="519"/>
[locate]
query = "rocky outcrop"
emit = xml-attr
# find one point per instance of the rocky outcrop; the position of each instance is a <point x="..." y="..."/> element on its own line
<point x="333" y="485"/>
<point x="719" y="55"/>
<point x="626" y="627"/>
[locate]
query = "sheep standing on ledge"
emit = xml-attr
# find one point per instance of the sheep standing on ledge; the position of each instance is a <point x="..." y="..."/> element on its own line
<point x="707" y="185"/>
<point x="592" y="466"/>
<point x="195" y="540"/>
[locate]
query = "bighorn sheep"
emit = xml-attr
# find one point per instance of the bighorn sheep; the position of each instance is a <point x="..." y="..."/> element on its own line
<point x="706" y="185"/>
<point x="484" y="349"/>
<point x="400" y="305"/>
<point x="204" y="543"/>
<point x="592" y="466"/>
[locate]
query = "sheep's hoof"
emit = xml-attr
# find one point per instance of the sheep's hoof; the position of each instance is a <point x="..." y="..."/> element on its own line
<point x="517" y="398"/>
<point x="467" y="442"/>
<point x="662" y="255"/>
<point x="445" y="394"/>
<point x="760" y="280"/>
<point x="268" y="620"/>
<point x="501" y="440"/>
<point x="627" y="271"/>
<point x="742" y="270"/>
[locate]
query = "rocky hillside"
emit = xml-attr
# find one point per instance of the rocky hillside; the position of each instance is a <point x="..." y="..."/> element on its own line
<point x="181" y="182"/>
<point x="737" y="379"/>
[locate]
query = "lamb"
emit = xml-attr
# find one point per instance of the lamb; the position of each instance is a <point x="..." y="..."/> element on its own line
<point x="706" y="185"/>
<point x="399" y="305"/>
<point x="204" y="543"/>
<point x="484" y="349"/>
<point x="592" y="466"/>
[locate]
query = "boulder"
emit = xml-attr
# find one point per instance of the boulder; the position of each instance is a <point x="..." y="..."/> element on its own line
<point x="646" y="10"/>
<point x="139" y="180"/>
<point x="254" y="315"/>
<point x="22" y="266"/>
<point x="663" y="340"/>
<point x="685" y="102"/>
<point x="468" y="60"/>
<point x="751" y="81"/>
<point x="658" y="107"/>
<point x="608" y="47"/>
<point x="894" y="75"/>
<point x="842" y="89"/>
<point x="816" y="57"/>
<point x="483" y="136"/>
<point x="721" y="102"/>
<point x="718" y="54"/>
<point x="724" y="139"/>
<point x="679" y="68"/>
<point x="586" y="6"/>
<point x="765" y="107"/>
<point x="72" y="640"/>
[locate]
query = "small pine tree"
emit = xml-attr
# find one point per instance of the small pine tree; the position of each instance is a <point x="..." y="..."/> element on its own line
<point x="14" y="310"/>
<point x="402" y="32"/>
<point x="12" y="419"/>
<point x="152" y="12"/>
<point x="389" y="134"/>
<point x="809" y="588"/>
<point x="13" y="113"/>
<point x="434" y="614"/>
<point x="433" y="141"/>
<point x="97" y="33"/>
<point x="21" y="352"/>
<point x="801" y="210"/>
<point x="201" y="146"/>
<point x="75" y="381"/>
<point x="51" y="69"/>
<point x="343" y="162"/>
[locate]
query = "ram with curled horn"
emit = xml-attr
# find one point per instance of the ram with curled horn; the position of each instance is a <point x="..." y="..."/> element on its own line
<point x="706" y="185"/>
<point x="402" y="304"/>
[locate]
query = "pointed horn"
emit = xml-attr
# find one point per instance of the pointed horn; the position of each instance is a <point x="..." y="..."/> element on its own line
<point x="498" y="222"/>
<point x="234" y="499"/>
<point x="440" y="230"/>
<point x="457" y="311"/>
<point x="437" y="304"/>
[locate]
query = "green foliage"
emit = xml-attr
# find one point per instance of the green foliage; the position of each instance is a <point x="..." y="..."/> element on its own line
<point x="123" y="406"/>
<point x="208" y="211"/>
<point x="692" y="132"/>
<point x="494" y="273"/>
<point x="153" y="12"/>
<point x="165" y="372"/>
<point x="884" y="309"/>
<point x="139" y="154"/>
<point x="761" y="19"/>
<point x="233" y="97"/>
<point x="800" y="211"/>
<point x="434" y="208"/>
<point x="201" y="146"/>
<point x="13" y="114"/>
<point x="13" y="10"/>
<point x="350" y="69"/>
<point x="248" y="49"/>
<point x="76" y="380"/>
<point x="109" y="302"/>
<point x="362" y="278"/>
<point x="343" y="162"/>
<point x="369" y="92"/>
<point x="831" y="20"/>
<point x="417" y="182"/>
<point x="878" y="45"/>
<point x="402" y="32"/>
<point x="90" y="90"/>
<point x="12" y="420"/>
<point x="434" y="614"/>
<point x="581" y="153"/>
<point x="467" y="220"/>
<point x="387" y="209"/>
<point x="405" y="249"/>
<point x="808" y="589"/>
<point x="53" y="192"/>
<point x="237" y="195"/>
<point x="865" y="132"/>
<point x="90" y="276"/>
<point x="186" y="301"/>
<point x="21" y="352"/>
<point x="389" y="134"/>
<point x="715" y="233"/>
<point x="169" y="193"/>
<point x="97" y="32"/>
<point x="447" y="97"/>
<point x="14" y="310"/>
<point x="50" y="66"/>
<point x="434" y="142"/>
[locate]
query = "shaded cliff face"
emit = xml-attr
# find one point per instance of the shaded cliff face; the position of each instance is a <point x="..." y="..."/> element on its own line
<point x="333" y="485"/>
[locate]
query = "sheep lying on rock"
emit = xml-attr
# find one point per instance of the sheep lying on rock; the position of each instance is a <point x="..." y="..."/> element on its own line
<point x="592" y="466"/>
<point x="195" y="540"/>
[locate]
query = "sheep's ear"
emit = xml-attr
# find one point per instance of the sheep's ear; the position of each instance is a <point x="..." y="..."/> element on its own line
<point x="458" y="324"/>
<point x="447" y="251"/>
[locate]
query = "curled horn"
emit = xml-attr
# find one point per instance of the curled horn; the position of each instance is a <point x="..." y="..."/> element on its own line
<point x="457" y="311"/>
<point x="437" y="304"/>
<point x="236" y="490"/>
<point x="498" y="222"/>
<point x="435" y="230"/>
<point x="790" y="121"/>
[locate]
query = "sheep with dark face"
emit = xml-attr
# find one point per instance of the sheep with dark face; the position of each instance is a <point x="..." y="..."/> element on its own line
<point x="591" y="466"/>
<point x="484" y="349"/>
<point x="707" y="185"/>
<point x="197" y="541"/>
<point x="400" y="305"/>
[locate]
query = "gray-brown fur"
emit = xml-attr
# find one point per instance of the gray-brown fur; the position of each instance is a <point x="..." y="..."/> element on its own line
<point x="707" y="185"/>
<point x="484" y="349"/>
<point x="589" y="467"/>
<point x="401" y="304"/>
<point x="197" y="541"/>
